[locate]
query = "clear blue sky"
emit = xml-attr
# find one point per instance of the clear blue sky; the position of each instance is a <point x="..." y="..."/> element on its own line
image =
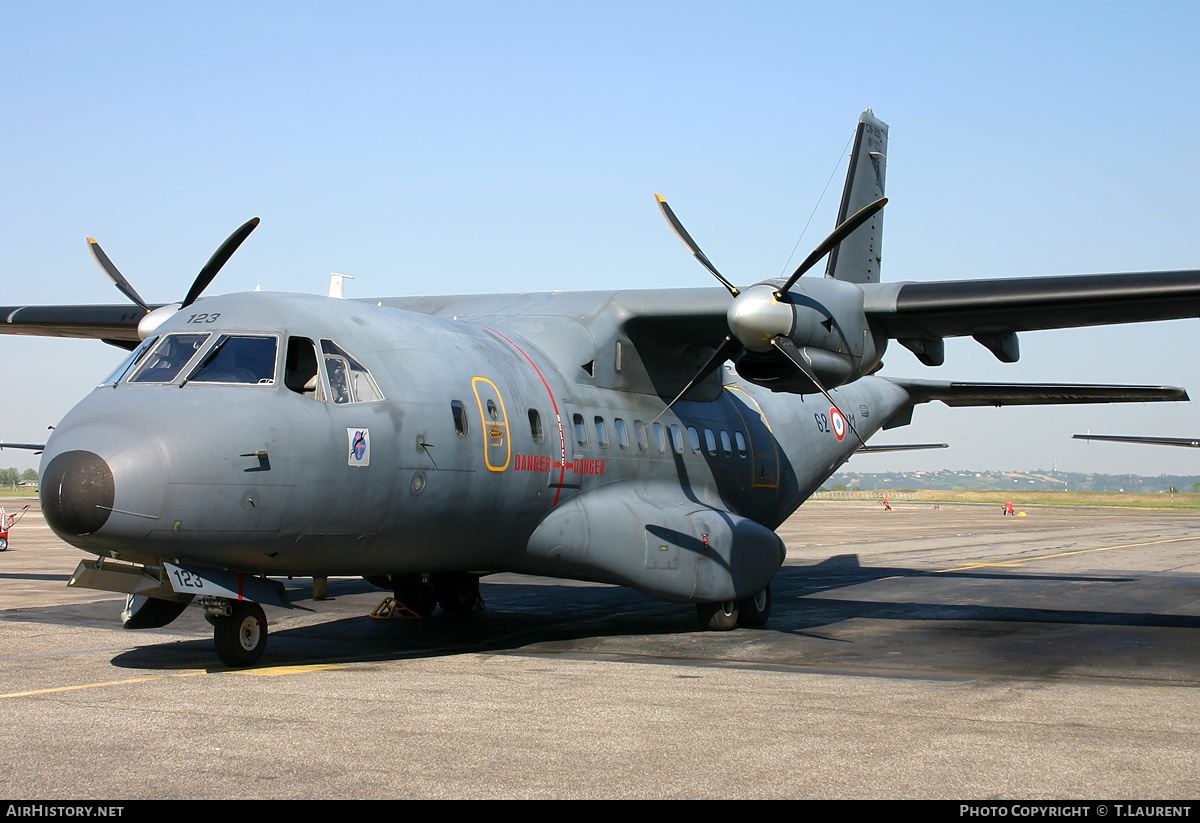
<point x="440" y="147"/>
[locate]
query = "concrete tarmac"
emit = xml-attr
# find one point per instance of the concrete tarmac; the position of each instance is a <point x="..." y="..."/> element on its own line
<point x="925" y="652"/>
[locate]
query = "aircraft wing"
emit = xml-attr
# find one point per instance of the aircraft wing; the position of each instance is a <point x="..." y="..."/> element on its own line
<point x="1189" y="442"/>
<point x="114" y="323"/>
<point x="987" y="307"/>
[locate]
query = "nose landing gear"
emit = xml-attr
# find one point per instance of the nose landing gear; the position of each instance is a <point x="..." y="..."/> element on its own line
<point x="239" y="630"/>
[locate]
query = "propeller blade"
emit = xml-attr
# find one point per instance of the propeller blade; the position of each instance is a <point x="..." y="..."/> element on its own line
<point x="839" y="234"/>
<point x="788" y="349"/>
<point x="725" y="351"/>
<point x="115" y="275"/>
<point x="219" y="258"/>
<point x="688" y="242"/>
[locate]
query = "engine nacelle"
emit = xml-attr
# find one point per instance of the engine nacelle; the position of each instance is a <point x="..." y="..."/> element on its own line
<point x="825" y="320"/>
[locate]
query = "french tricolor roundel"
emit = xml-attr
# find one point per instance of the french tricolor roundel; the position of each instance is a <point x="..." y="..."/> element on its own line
<point x="839" y="423"/>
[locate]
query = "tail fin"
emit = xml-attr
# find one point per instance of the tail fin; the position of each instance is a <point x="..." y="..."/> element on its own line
<point x="856" y="260"/>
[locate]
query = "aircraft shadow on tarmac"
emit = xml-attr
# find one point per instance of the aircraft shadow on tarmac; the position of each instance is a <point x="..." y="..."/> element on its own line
<point x="550" y="617"/>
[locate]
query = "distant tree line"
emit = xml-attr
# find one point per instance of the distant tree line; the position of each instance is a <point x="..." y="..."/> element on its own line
<point x="10" y="477"/>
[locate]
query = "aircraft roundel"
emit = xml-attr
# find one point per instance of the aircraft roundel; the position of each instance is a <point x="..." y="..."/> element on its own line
<point x="839" y="423"/>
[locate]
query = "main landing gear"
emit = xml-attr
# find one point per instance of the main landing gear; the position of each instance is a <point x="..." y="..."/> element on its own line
<point x="420" y="594"/>
<point x="722" y="617"/>
<point x="239" y="629"/>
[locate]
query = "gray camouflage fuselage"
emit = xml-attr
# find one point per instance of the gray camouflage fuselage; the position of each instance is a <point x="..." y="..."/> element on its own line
<point x="260" y="479"/>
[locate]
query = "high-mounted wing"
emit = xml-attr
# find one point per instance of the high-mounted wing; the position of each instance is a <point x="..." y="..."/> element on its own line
<point x="919" y="315"/>
<point x="1189" y="442"/>
<point x="122" y="325"/>
<point x="114" y="324"/>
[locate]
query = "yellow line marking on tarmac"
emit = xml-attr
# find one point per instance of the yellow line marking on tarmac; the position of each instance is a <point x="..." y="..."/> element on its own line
<point x="1013" y="563"/>
<point x="277" y="671"/>
<point x="98" y="685"/>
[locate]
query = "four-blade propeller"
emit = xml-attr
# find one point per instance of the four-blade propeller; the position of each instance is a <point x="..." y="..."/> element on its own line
<point x="760" y="317"/>
<point x="206" y="275"/>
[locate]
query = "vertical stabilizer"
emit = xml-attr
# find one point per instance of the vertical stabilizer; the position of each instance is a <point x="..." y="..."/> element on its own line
<point x="856" y="260"/>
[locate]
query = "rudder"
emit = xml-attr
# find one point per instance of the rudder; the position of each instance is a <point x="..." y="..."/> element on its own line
<point x="857" y="258"/>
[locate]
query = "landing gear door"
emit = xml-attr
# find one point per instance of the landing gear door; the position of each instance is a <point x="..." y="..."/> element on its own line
<point x="497" y="447"/>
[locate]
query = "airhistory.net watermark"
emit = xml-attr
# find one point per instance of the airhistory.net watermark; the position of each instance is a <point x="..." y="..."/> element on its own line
<point x="61" y="810"/>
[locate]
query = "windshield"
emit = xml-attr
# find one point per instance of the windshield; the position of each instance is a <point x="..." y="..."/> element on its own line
<point x="239" y="358"/>
<point x="169" y="357"/>
<point x="129" y="362"/>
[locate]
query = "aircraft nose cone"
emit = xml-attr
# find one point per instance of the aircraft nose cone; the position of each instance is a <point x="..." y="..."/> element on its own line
<point x="77" y="492"/>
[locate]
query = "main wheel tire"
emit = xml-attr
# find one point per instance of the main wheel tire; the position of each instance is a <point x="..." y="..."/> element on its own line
<point x="718" y="617"/>
<point x="241" y="637"/>
<point x="457" y="592"/>
<point x="3" y="544"/>
<point x="755" y="610"/>
<point x="416" y="594"/>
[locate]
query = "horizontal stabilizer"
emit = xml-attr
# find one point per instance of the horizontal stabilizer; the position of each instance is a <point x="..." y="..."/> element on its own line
<point x="1033" y="394"/>
<point x="1189" y="442"/>
<point x="900" y="447"/>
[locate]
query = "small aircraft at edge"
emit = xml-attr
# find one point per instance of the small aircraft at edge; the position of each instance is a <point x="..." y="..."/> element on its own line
<point x="1189" y="442"/>
<point x="425" y="442"/>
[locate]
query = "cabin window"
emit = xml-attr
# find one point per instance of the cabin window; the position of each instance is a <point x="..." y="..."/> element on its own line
<point x="580" y="430"/>
<point x="660" y="437"/>
<point x="710" y="442"/>
<point x="741" y="444"/>
<point x="535" y="426"/>
<point x="601" y="433"/>
<point x="242" y="359"/>
<point x="622" y="433"/>
<point x="694" y="436"/>
<point x="643" y="440"/>
<point x="726" y="446"/>
<point x="300" y="371"/>
<point x="129" y="362"/>
<point x="349" y="380"/>
<point x="677" y="438"/>
<point x="460" y="417"/>
<point x="169" y="358"/>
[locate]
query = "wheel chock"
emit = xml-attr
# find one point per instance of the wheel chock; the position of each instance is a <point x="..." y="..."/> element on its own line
<point x="391" y="607"/>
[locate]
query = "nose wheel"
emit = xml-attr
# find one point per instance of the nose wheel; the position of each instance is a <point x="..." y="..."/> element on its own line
<point x="240" y="635"/>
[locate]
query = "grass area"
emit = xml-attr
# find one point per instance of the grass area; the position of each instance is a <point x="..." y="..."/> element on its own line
<point x="18" y="492"/>
<point x="1173" y="502"/>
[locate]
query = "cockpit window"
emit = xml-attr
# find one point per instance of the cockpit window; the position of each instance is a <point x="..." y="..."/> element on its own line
<point x="239" y="358"/>
<point x="129" y="362"/>
<point x="349" y="380"/>
<point x="169" y="357"/>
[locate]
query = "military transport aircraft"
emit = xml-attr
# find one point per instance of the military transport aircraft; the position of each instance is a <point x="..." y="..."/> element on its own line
<point x="423" y="442"/>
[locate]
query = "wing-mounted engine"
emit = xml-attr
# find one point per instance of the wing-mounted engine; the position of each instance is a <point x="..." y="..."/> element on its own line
<point x="653" y="536"/>
<point x="824" y="323"/>
<point x="805" y="336"/>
